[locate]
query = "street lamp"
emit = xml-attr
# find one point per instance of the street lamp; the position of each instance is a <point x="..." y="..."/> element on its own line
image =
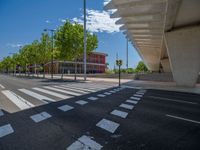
<point x="85" y="41"/>
<point x="52" y="34"/>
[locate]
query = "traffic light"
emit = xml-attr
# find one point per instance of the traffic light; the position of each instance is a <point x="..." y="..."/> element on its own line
<point x="119" y="62"/>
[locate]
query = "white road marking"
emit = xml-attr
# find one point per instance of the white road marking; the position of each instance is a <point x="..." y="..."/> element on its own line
<point x="68" y="88"/>
<point x="1" y="113"/>
<point x="6" y="130"/>
<point x="85" y="143"/>
<point x="2" y="86"/>
<point x="173" y="100"/>
<point x="130" y="87"/>
<point x="40" y="117"/>
<point x="81" y="102"/>
<point x="107" y="93"/>
<point x="78" y="88"/>
<point x="108" y="125"/>
<point x="37" y="96"/>
<point x="132" y="102"/>
<point x="101" y="95"/>
<point x="137" y="95"/>
<point x="112" y="91"/>
<point x="140" y="93"/>
<point x="92" y="98"/>
<point x="135" y="98"/>
<point x="17" y="100"/>
<point x="65" y="108"/>
<point x="51" y="93"/>
<point x="127" y="106"/>
<point x="119" y="113"/>
<point x="63" y="91"/>
<point x="185" y="119"/>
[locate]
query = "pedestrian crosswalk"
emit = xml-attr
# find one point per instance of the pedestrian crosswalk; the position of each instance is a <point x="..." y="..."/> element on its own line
<point x="25" y="98"/>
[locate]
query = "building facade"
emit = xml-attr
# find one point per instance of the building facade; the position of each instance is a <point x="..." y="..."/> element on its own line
<point x="96" y="63"/>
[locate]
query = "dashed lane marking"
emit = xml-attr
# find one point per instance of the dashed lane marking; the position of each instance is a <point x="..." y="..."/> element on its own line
<point x="65" y="108"/>
<point x="40" y="117"/>
<point x="92" y="98"/>
<point x="184" y="119"/>
<point x="85" y="143"/>
<point x="42" y="98"/>
<point x="63" y="91"/>
<point x="137" y="95"/>
<point x="119" y="113"/>
<point x="107" y="93"/>
<point x="108" y="125"/>
<point x="132" y="102"/>
<point x="17" y="100"/>
<point x="135" y="98"/>
<point x="101" y="95"/>
<point x="81" y="102"/>
<point x="6" y="130"/>
<point x="126" y="106"/>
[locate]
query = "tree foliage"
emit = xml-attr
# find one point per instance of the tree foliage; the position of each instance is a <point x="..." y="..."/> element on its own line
<point x="141" y="67"/>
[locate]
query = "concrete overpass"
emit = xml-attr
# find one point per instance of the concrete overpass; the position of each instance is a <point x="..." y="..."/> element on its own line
<point x="165" y="33"/>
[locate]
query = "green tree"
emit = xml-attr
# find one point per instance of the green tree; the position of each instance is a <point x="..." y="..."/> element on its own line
<point x="141" y="67"/>
<point x="70" y="42"/>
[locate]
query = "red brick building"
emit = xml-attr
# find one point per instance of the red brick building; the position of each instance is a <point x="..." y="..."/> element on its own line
<point x="96" y="63"/>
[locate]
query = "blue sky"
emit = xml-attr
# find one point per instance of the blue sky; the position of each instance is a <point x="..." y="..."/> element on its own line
<point x="23" y="21"/>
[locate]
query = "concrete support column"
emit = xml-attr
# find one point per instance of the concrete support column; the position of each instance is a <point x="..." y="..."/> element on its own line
<point x="166" y="65"/>
<point x="183" y="46"/>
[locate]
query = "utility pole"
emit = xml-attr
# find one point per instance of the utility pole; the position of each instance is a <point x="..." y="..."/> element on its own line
<point x="127" y="53"/>
<point x="85" y="43"/>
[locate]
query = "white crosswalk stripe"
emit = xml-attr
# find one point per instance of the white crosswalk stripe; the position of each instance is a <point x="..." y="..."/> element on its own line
<point x="63" y="91"/>
<point x="68" y="88"/>
<point x="52" y="93"/>
<point x="37" y="96"/>
<point x="17" y="100"/>
<point x="79" y="88"/>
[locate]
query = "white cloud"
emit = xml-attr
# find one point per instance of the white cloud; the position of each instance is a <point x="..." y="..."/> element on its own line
<point x="47" y="21"/>
<point x="62" y="20"/>
<point x="106" y="2"/>
<point x="14" y="45"/>
<point x="99" y="21"/>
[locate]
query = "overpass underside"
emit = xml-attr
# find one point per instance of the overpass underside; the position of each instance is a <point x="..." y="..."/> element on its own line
<point x="165" y="33"/>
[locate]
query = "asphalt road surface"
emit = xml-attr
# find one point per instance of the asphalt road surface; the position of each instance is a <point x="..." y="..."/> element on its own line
<point x="40" y="114"/>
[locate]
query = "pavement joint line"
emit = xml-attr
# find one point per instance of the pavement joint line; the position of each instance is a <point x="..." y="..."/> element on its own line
<point x="2" y="86"/>
<point x="108" y="125"/>
<point x="184" y="119"/>
<point x="65" y="108"/>
<point x="173" y="100"/>
<point x="17" y="100"/>
<point x="6" y="130"/>
<point x="81" y="102"/>
<point x="85" y="143"/>
<point x="137" y="95"/>
<point x="131" y="101"/>
<point x="40" y="117"/>
<point x="119" y="113"/>
<point x="126" y="106"/>
<point x="93" y="98"/>
<point x="135" y="98"/>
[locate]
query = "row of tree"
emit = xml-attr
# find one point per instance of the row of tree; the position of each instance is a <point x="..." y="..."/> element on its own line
<point x="68" y="43"/>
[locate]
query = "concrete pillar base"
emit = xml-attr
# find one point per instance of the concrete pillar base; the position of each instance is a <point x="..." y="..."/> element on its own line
<point x="183" y="46"/>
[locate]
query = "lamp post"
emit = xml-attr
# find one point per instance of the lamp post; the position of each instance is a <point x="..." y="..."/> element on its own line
<point x="52" y="34"/>
<point x="85" y="42"/>
<point x="127" y="53"/>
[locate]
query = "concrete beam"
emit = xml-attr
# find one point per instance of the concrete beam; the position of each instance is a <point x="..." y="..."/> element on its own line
<point x="183" y="46"/>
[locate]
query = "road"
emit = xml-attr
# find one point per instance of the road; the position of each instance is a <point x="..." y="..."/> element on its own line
<point x="44" y="114"/>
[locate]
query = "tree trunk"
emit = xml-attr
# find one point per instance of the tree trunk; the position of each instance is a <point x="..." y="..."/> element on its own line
<point x="63" y="65"/>
<point x="75" y="69"/>
<point x="43" y="70"/>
